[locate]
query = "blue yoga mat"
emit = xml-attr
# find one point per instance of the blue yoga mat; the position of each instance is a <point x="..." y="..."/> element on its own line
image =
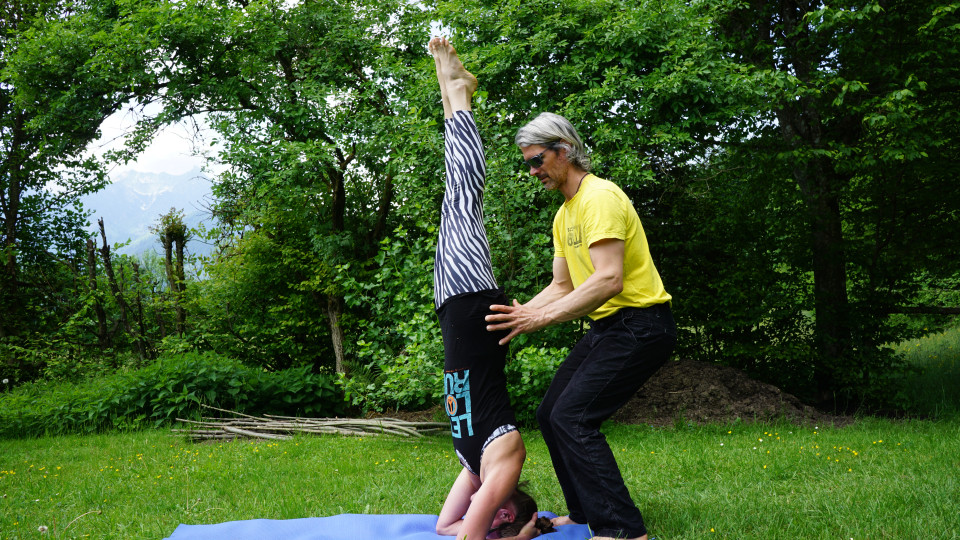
<point x="342" y="527"/>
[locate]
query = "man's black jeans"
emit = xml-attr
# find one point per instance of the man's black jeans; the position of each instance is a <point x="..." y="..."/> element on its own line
<point x="602" y="372"/>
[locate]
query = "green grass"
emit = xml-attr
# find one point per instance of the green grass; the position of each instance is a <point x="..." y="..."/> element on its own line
<point x="874" y="479"/>
<point x="935" y="389"/>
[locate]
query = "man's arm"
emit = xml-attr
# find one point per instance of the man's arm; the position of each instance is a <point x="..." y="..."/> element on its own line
<point x="560" y="286"/>
<point x="552" y="306"/>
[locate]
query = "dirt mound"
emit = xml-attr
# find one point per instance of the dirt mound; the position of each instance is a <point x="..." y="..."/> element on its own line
<point x="702" y="393"/>
<point x="697" y="392"/>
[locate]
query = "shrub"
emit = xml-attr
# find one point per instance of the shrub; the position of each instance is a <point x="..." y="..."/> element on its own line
<point x="296" y="392"/>
<point x="172" y="387"/>
<point x="398" y="350"/>
<point x="409" y="380"/>
<point x="528" y="376"/>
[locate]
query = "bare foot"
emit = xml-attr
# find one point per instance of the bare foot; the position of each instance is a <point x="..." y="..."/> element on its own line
<point x="445" y="97"/>
<point x="563" y="520"/>
<point x="458" y="83"/>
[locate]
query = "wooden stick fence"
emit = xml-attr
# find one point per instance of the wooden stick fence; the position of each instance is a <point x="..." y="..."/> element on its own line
<point x="284" y="427"/>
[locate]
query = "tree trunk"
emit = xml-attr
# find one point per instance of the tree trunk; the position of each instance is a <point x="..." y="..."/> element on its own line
<point x="831" y="303"/>
<point x="146" y="350"/>
<point x="159" y="314"/>
<point x="115" y="289"/>
<point x="803" y="128"/>
<point x="334" y="309"/>
<point x="820" y="185"/>
<point x="13" y="170"/>
<point x="181" y="287"/>
<point x="173" y="278"/>
<point x="103" y="338"/>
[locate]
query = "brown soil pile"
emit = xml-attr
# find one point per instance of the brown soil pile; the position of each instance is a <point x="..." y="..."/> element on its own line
<point x="701" y="393"/>
<point x="698" y="393"/>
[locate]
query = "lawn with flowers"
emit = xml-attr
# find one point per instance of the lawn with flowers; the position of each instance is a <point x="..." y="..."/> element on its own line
<point x="872" y="479"/>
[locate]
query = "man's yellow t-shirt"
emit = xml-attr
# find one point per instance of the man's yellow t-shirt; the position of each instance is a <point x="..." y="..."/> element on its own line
<point x="601" y="210"/>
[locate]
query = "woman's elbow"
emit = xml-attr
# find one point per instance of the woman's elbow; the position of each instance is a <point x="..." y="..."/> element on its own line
<point x="447" y="530"/>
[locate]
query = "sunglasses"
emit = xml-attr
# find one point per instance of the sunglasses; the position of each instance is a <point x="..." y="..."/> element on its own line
<point x="536" y="161"/>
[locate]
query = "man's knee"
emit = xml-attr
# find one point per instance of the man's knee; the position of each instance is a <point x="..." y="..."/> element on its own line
<point x="563" y="421"/>
<point x="543" y="416"/>
<point x="554" y="417"/>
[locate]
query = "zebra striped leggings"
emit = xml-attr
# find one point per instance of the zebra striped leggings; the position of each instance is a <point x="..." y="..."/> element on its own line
<point x="462" y="264"/>
<point x="475" y="388"/>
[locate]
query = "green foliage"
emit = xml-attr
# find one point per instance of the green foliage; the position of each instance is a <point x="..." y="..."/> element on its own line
<point x="259" y="304"/>
<point x="411" y="382"/>
<point x="312" y="109"/>
<point x="737" y="294"/>
<point x="529" y="374"/>
<point x="796" y="188"/>
<point x="171" y="388"/>
<point x="61" y="75"/>
<point x="294" y="392"/>
<point x="398" y="351"/>
<point x="933" y="385"/>
<point x="846" y="127"/>
<point x="772" y="183"/>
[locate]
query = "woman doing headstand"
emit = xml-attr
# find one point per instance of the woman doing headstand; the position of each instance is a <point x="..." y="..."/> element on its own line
<point x="484" y="499"/>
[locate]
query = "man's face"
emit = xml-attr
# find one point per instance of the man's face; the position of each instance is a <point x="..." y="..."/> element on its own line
<point x="552" y="170"/>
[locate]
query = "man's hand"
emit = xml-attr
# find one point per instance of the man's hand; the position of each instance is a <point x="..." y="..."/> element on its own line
<point x="518" y="319"/>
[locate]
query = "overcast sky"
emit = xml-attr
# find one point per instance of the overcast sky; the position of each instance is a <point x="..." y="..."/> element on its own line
<point x="171" y="151"/>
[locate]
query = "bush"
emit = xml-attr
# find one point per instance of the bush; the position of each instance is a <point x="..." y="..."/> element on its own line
<point x="158" y="394"/>
<point x="528" y="376"/>
<point x="398" y="351"/>
<point x="295" y="392"/>
<point x="410" y="380"/>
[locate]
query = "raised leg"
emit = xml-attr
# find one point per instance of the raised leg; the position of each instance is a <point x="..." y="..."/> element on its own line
<point x="463" y="262"/>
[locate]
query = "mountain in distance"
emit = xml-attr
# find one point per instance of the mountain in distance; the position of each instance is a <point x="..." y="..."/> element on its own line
<point x="135" y="200"/>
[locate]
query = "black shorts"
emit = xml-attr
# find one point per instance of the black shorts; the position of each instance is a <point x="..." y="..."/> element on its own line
<point x="475" y="387"/>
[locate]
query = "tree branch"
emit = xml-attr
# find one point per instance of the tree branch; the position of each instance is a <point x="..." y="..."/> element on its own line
<point x="924" y="310"/>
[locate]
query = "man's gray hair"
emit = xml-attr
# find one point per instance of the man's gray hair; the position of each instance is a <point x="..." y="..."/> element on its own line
<point x="554" y="131"/>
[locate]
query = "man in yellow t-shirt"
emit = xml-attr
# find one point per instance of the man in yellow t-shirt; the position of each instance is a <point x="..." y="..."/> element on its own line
<point x="602" y="269"/>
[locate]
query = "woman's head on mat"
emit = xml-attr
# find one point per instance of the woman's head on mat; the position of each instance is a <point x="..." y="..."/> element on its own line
<point x="513" y="516"/>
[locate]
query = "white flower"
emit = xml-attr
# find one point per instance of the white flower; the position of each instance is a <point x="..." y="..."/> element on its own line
<point x="5" y="381"/>
<point x="42" y="528"/>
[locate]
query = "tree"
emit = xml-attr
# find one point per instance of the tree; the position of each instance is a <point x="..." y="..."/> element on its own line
<point x="39" y="227"/>
<point x="173" y="235"/>
<point x="64" y="67"/>
<point x="310" y="103"/>
<point x="773" y="158"/>
<point x="867" y="138"/>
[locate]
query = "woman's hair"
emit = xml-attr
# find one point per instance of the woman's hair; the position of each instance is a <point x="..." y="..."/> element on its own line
<point x="524" y="507"/>
<point x="554" y="131"/>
